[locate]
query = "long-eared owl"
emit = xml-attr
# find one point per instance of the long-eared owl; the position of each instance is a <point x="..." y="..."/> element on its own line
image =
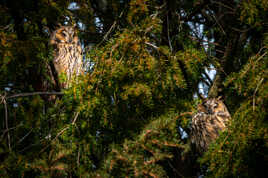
<point x="67" y="53"/>
<point x="212" y="118"/>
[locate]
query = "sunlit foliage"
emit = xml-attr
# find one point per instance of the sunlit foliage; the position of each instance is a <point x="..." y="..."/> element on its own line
<point x="147" y="64"/>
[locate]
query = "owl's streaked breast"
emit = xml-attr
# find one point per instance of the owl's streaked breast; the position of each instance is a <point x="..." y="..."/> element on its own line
<point x="212" y="118"/>
<point x="68" y="53"/>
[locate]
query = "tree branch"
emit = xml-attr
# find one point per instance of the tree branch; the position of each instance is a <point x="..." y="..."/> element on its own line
<point x="34" y="93"/>
<point x="62" y="131"/>
<point x="3" y="100"/>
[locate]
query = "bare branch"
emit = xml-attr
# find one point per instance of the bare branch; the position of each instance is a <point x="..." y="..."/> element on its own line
<point x="254" y="95"/>
<point x="5" y="131"/>
<point x="33" y="93"/>
<point x="110" y="30"/>
<point x="169" y="42"/>
<point x="62" y="131"/>
<point x="223" y="5"/>
<point x="75" y="118"/>
<point x="78" y="157"/>
<point x="152" y="45"/>
<point x="217" y="21"/>
<point x="3" y="100"/>
<point x="25" y="136"/>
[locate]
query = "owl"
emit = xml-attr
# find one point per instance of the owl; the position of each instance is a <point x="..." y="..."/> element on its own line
<point x="212" y="118"/>
<point x="67" y="54"/>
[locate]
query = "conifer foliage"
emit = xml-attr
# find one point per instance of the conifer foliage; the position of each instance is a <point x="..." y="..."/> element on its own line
<point x="147" y="65"/>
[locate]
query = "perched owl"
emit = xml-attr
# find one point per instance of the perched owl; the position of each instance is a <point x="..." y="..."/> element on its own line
<point x="212" y="118"/>
<point x="67" y="54"/>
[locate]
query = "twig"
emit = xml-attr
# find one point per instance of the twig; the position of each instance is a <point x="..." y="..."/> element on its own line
<point x="261" y="56"/>
<point x="25" y="136"/>
<point x="175" y="170"/>
<point x="110" y="30"/>
<point x="33" y="93"/>
<point x="241" y="31"/>
<point x="75" y="118"/>
<point x="29" y="146"/>
<point x="3" y="100"/>
<point x="62" y="131"/>
<point x="78" y="157"/>
<point x="5" y="131"/>
<point x="219" y="24"/>
<point x="256" y="92"/>
<point x="150" y="44"/>
<point x="169" y="42"/>
<point x="224" y="5"/>
<point x="6" y="119"/>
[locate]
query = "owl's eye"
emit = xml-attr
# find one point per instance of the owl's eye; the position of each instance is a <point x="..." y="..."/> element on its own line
<point x="215" y="105"/>
<point x="64" y="33"/>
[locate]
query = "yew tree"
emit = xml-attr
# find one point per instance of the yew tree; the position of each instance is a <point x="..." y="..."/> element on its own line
<point x="147" y="65"/>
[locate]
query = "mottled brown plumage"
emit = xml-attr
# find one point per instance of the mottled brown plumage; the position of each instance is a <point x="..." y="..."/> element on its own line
<point x="212" y="118"/>
<point x="68" y="53"/>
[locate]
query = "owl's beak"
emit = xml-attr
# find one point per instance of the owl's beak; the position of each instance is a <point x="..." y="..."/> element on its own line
<point x="209" y="111"/>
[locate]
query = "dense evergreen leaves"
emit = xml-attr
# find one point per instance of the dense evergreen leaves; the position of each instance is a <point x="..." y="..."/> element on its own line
<point x="147" y="65"/>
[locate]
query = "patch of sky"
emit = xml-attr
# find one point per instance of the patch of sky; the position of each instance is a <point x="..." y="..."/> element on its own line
<point x="203" y="87"/>
<point x="99" y="25"/>
<point x="198" y="33"/>
<point x="183" y="133"/>
<point x="81" y="26"/>
<point x="7" y="89"/>
<point x="73" y="6"/>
